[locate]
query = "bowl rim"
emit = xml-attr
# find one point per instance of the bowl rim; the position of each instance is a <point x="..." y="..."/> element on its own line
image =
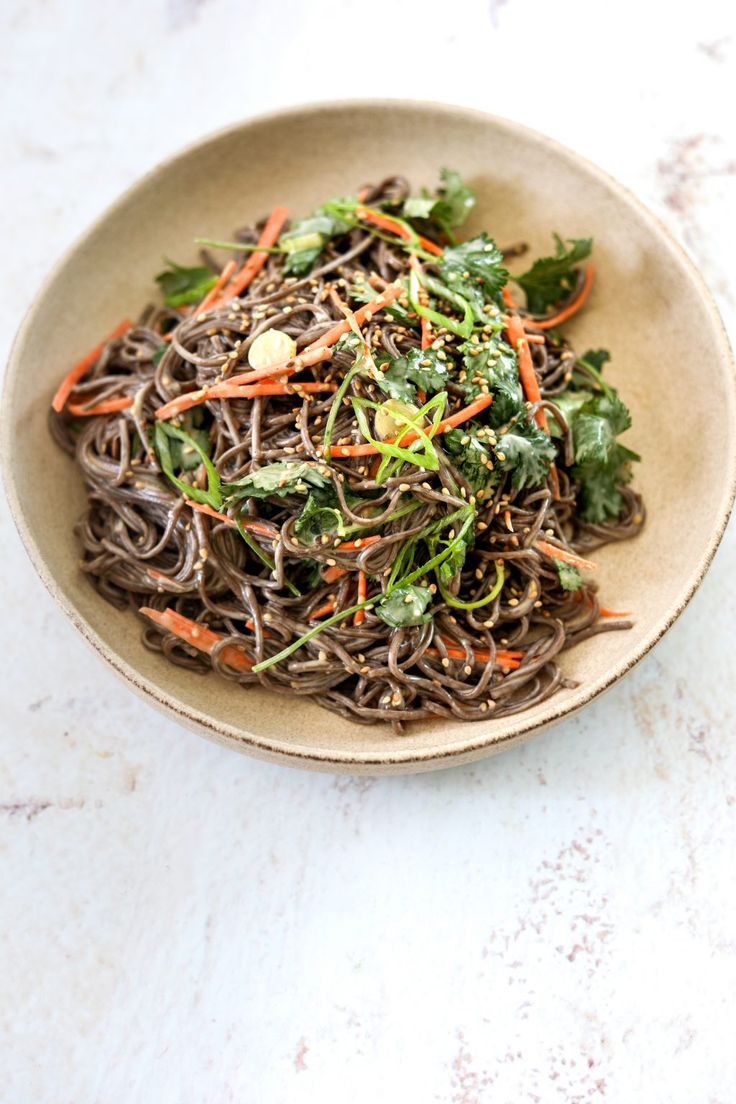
<point x="474" y="747"/>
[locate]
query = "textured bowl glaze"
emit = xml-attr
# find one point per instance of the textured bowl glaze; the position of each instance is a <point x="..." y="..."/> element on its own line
<point x="527" y="186"/>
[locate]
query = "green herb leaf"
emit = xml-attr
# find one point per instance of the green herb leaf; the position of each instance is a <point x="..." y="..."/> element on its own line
<point x="420" y="368"/>
<point x="569" y="576"/>
<point x="182" y="285"/>
<point x="451" y="206"/>
<point x="596" y="358"/>
<point x="306" y="239"/>
<point x="526" y="451"/>
<point x="602" y="464"/>
<point x="475" y="270"/>
<point x="317" y="518"/>
<point x="493" y="363"/>
<point x="595" y="427"/>
<point x="405" y="606"/>
<point x="569" y="404"/>
<point x="456" y="200"/>
<point x="470" y="451"/>
<point x="419" y="207"/>
<point x="551" y="279"/>
<point x="276" y="480"/>
<point x="600" y="497"/>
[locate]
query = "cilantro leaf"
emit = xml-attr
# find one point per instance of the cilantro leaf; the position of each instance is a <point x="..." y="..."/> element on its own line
<point x="596" y="426"/>
<point x="317" y="518"/>
<point x="526" y="451"/>
<point x="471" y="455"/>
<point x="493" y="363"/>
<point x="449" y="208"/>
<point x="181" y="285"/>
<point x="405" y="606"/>
<point x="569" y="576"/>
<point x="569" y="403"/>
<point x="602" y="463"/>
<point x="597" y="358"/>
<point x="552" y="278"/>
<point x="419" y="207"/>
<point x="456" y="200"/>
<point x="475" y="270"/>
<point x="278" y="479"/>
<point x="422" y="368"/>
<point x="306" y="239"/>
<point x="600" y="495"/>
<point x="455" y="562"/>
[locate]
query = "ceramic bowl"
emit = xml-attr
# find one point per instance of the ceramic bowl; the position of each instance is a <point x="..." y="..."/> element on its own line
<point x="649" y="307"/>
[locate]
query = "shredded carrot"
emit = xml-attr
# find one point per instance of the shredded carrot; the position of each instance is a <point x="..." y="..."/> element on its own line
<point x="197" y="636"/>
<point x="574" y="307"/>
<point x="262" y="528"/>
<point x="536" y="339"/>
<point x="234" y="391"/>
<point x="563" y="554"/>
<point x="359" y="542"/>
<point x="363" y="314"/>
<point x="81" y="368"/>
<point x="602" y="611"/>
<point x="251" y="391"/>
<point x="449" y="423"/>
<point x="203" y="508"/>
<point x="155" y="574"/>
<point x="529" y="382"/>
<point x="268" y="237"/>
<point x="527" y="375"/>
<point x="107" y="406"/>
<point x="332" y="574"/>
<point x="321" y="611"/>
<point x="211" y="296"/>
<point x="481" y="655"/>
<point x="426" y="332"/>
<point x="288" y="368"/>
<point x="508" y="297"/>
<point x="386" y="223"/>
<point x="362" y="591"/>
<point x="364" y="193"/>
<point x="375" y="465"/>
<point x="507" y="520"/>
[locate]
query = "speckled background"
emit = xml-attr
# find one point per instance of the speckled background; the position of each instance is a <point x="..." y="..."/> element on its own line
<point x="184" y="926"/>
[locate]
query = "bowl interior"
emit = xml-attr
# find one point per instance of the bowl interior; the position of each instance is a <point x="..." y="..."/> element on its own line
<point x="648" y="307"/>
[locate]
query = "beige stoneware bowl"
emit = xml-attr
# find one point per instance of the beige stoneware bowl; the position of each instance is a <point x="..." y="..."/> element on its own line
<point x="649" y="307"/>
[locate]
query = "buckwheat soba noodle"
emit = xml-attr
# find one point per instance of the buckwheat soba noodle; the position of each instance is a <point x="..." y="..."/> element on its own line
<point x="359" y="461"/>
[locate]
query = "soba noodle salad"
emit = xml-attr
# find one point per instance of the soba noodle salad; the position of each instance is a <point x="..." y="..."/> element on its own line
<point x="360" y="461"/>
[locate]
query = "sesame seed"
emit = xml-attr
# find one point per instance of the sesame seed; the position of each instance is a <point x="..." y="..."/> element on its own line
<point x="331" y="563"/>
<point x="445" y="662"/>
<point x="404" y="487"/>
<point x="483" y="707"/>
<point x="468" y="669"/>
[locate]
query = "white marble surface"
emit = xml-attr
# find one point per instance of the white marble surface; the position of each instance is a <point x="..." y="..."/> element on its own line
<point x="184" y="926"/>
